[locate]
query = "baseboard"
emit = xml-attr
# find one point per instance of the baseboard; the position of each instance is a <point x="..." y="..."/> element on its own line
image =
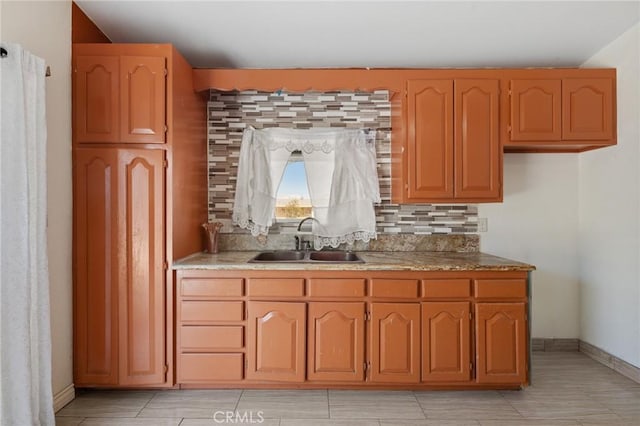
<point x="539" y="344"/>
<point x="611" y="361"/>
<point x="63" y="397"/>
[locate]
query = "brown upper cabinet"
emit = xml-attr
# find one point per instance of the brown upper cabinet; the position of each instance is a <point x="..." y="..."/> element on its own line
<point x="562" y="114"/>
<point x="454" y="152"/>
<point x="120" y="99"/>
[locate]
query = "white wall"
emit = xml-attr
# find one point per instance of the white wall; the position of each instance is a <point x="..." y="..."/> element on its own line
<point x="44" y="28"/>
<point x="609" y="214"/>
<point x="537" y="223"/>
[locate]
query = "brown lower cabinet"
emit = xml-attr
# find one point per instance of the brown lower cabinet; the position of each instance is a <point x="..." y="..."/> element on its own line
<point x="446" y="342"/>
<point x="351" y="329"/>
<point x="501" y="342"/>
<point x="335" y="341"/>
<point x="395" y="342"/>
<point x="276" y="344"/>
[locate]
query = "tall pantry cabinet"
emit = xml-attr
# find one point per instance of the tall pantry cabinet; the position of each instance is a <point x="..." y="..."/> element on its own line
<point x="139" y="150"/>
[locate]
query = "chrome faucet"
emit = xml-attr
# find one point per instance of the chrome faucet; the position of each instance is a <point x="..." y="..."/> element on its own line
<point x="301" y="243"/>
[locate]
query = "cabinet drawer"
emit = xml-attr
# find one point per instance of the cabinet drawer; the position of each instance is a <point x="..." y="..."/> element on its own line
<point x="206" y="338"/>
<point x="205" y="311"/>
<point x="443" y="289"/>
<point x="205" y="287"/>
<point x="285" y="287"/>
<point x="335" y="287"/>
<point x="500" y="289"/>
<point x="394" y="288"/>
<point x="202" y="368"/>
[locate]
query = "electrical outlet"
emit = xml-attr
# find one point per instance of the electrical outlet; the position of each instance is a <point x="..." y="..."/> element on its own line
<point x="483" y="224"/>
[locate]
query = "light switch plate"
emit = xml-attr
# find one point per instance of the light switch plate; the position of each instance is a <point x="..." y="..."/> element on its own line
<point x="483" y="224"/>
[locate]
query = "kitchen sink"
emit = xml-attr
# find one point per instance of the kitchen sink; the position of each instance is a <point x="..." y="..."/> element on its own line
<point x="280" y="256"/>
<point x="294" y="256"/>
<point x="334" y="256"/>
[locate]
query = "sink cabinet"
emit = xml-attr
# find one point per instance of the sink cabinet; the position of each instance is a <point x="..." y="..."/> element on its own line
<point x="335" y="341"/>
<point x="276" y="341"/>
<point x="351" y="329"/>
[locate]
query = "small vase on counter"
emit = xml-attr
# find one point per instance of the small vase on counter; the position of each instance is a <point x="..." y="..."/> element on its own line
<point x="211" y="233"/>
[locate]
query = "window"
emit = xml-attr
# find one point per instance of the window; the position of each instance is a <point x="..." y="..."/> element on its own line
<point x="292" y="200"/>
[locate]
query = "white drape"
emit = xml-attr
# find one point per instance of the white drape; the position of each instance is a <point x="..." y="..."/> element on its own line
<point x="341" y="175"/>
<point x="25" y="340"/>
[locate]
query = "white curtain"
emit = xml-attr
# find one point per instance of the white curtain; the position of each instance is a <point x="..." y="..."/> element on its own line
<point x="341" y="175"/>
<point x="25" y="336"/>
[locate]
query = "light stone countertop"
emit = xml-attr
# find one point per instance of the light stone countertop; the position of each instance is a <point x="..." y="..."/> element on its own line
<point x="374" y="261"/>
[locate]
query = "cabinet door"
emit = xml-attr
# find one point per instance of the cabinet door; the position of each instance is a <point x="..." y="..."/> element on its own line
<point x="477" y="147"/>
<point x="142" y="277"/>
<point x="587" y="110"/>
<point x="501" y="343"/>
<point x="430" y="139"/>
<point x="96" y="107"/>
<point x="96" y="266"/>
<point x="395" y="342"/>
<point x="536" y="110"/>
<point x="446" y="342"/>
<point x="336" y="341"/>
<point x="142" y="98"/>
<point x="276" y="341"/>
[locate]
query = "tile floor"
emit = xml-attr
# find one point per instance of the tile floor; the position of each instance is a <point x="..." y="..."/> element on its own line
<point x="568" y="389"/>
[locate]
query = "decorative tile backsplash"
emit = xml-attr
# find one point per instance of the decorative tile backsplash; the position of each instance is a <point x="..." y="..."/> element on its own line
<point x="229" y="113"/>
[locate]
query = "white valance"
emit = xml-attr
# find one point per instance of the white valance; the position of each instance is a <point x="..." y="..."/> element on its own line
<point x="341" y="173"/>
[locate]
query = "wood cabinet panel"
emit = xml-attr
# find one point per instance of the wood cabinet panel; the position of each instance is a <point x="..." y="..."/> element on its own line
<point x="430" y="136"/>
<point x="500" y="289"/>
<point x="395" y="342"/>
<point x="501" y="336"/>
<point x="97" y="266"/>
<point x="477" y="149"/>
<point x="536" y="112"/>
<point x="141" y="291"/>
<point x="142" y="97"/>
<point x="348" y="287"/>
<point x="587" y="109"/>
<point x="454" y="151"/>
<point x="446" y="342"/>
<point x="210" y="368"/>
<point x="393" y="288"/>
<point x="276" y="341"/>
<point x="201" y="311"/>
<point x="274" y="287"/>
<point x="206" y="338"/>
<point x="211" y="287"/>
<point x="95" y="101"/>
<point x="119" y="256"/>
<point x="446" y="289"/>
<point x="335" y="342"/>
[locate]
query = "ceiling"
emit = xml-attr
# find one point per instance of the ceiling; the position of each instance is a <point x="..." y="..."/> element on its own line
<point x="319" y="34"/>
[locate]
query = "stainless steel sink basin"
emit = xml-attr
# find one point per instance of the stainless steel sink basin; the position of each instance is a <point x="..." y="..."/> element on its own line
<point x="334" y="256"/>
<point x="294" y="256"/>
<point x="280" y="256"/>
